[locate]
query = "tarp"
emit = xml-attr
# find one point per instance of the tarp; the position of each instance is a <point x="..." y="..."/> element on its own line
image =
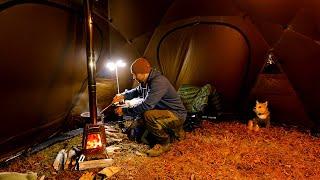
<point x="222" y="42"/>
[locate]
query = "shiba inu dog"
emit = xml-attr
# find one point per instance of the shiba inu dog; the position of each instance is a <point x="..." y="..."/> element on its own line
<point x="263" y="117"/>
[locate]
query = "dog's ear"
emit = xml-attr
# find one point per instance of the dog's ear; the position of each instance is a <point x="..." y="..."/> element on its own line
<point x="257" y="102"/>
<point x="266" y="103"/>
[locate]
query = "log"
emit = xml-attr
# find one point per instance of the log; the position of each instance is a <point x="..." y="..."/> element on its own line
<point x="112" y="149"/>
<point x="109" y="171"/>
<point x="115" y="135"/>
<point x="18" y="176"/>
<point x="60" y="160"/>
<point x="101" y="163"/>
<point x="112" y="140"/>
<point x="111" y="129"/>
<point x="71" y="154"/>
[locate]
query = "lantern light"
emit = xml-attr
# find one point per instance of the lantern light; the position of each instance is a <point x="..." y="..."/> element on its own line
<point x="114" y="66"/>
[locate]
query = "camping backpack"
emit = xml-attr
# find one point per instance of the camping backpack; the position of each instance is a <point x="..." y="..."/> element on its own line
<point x="195" y="99"/>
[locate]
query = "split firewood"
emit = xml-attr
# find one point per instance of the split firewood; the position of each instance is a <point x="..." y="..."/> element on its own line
<point x="110" y="129"/>
<point x="59" y="161"/>
<point x="101" y="163"/>
<point x="112" y="140"/>
<point x="109" y="171"/>
<point x="71" y="154"/>
<point x="140" y="153"/>
<point x="112" y="149"/>
<point x="87" y="176"/>
<point x="116" y="139"/>
<point x="65" y="157"/>
<point x="115" y="135"/>
<point x="21" y="176"/>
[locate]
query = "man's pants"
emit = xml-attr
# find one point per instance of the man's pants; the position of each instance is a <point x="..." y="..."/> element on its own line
<point x="162" y="124"/>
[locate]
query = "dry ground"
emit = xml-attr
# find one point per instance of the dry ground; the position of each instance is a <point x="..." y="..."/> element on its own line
<point x="215" y="151"/>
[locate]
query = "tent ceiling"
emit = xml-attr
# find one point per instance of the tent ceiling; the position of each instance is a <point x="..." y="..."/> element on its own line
<point x="135" y="19"/>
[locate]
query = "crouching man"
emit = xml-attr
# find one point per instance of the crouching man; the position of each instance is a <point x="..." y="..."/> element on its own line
<point x="162" y="109"/>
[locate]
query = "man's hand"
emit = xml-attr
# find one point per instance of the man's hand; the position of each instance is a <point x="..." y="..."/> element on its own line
<point x="118" y="111"/>
<point x="118" y="98"/>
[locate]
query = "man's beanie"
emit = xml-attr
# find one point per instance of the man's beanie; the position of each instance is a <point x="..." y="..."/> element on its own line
<point x="140" y="66"/>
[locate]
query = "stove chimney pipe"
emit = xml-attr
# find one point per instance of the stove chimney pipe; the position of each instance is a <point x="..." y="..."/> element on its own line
<point x="91" y="64"/>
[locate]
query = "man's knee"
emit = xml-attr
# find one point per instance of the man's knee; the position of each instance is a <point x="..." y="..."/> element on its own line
<point x="148" y="114"/>
<point x="152" y="115"/>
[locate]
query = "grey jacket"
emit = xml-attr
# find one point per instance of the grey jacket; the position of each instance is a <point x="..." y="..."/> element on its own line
<point x="158" y="93"/>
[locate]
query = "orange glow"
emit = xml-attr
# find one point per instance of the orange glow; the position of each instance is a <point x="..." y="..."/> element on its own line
<point x="93" y="141"/>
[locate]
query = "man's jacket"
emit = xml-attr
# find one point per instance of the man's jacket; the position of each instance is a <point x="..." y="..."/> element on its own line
<point x="158" y="93"/>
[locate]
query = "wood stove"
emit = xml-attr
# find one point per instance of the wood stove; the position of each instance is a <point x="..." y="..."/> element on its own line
<point x="94" y="136"/>
<point x="94" y="140"/>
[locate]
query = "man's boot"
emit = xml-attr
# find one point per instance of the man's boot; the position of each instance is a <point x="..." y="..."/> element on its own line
<point x="158" y="149"/>
<point x="180" y="134"/>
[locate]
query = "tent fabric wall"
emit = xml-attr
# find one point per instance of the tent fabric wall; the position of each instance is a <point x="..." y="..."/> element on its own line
<point x="203" y="57"/>
<point x="42" y="70"/>
<point x="299" y="56"/>
<point x="273" y="85"/>
<point x="285" y="105"/>
<point x="238" y="38"/>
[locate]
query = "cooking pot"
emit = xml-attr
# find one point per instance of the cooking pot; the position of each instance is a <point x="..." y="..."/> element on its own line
<point x="86" y="117"/>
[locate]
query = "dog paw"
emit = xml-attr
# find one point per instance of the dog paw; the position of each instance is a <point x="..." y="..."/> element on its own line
<point x="250" y="125"/>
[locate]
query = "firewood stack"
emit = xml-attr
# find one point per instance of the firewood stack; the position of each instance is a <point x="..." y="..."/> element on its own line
<point x="73" y="159"/>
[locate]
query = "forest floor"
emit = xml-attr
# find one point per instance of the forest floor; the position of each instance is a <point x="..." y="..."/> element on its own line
<point x="224" y="150"/>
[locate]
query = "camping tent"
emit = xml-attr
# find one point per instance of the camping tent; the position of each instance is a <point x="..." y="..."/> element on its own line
<point x="226" y="43"/>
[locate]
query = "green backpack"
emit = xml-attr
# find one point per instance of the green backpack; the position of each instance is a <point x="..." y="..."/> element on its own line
<point x="194" y="98"/>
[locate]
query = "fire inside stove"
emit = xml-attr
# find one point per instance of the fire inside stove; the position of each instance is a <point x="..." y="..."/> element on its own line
<point x="94" y="139"/>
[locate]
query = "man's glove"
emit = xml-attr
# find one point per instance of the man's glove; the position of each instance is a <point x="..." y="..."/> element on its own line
<point x="119" y="111"/>
<point x="118" y="98"/>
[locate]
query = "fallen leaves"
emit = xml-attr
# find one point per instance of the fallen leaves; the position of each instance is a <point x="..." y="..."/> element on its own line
<point x="214" y="151"/>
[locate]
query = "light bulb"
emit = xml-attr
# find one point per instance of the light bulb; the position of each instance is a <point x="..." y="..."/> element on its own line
<point x="111" y="66"/>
